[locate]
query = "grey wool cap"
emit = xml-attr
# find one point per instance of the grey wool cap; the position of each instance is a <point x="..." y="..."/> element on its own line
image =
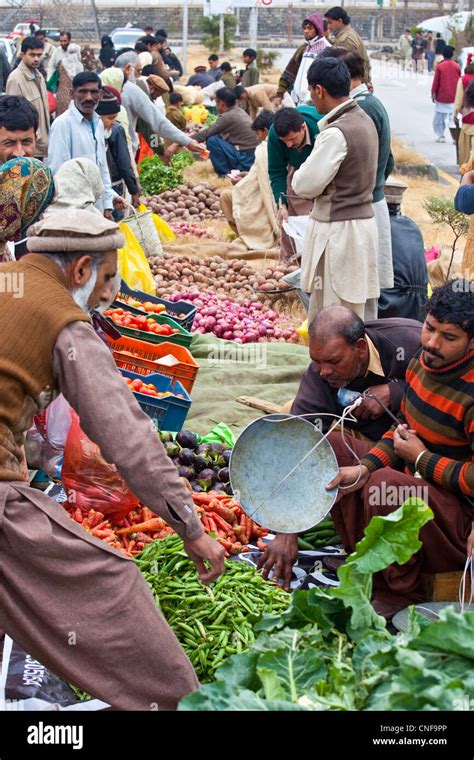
<point x="74" y="230"/>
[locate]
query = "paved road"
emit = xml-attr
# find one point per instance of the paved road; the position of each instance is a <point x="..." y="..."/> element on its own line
<point x="407" y="98"/>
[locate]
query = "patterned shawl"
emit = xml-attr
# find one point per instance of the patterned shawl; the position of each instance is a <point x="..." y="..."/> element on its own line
<point x="26" y="188"/>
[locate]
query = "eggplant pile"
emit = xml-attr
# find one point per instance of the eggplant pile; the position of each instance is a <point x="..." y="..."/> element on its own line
<point x="204" y="465"/>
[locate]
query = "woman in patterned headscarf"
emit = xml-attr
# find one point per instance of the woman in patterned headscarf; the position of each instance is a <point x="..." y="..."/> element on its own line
<point x="26" y="188"/>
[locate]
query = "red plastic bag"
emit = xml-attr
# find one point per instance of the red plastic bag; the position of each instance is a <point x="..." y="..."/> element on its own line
<point x="90" y="481"/>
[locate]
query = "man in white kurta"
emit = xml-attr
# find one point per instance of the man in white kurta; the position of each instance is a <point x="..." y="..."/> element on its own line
<point x="339" y="262"/>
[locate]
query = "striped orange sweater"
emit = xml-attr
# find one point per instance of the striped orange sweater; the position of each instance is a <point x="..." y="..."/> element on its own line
<point x="439" y="405"/>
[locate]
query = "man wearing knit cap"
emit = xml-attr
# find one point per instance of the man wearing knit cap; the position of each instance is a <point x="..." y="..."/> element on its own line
<point x="79" y="584"/>
<point x="118" y="156"/>
<point x="293" y="80"/>
<point x="79" y="133"/>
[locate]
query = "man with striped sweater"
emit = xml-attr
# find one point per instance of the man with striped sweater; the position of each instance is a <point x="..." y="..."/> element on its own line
<point x="431" y="450"/>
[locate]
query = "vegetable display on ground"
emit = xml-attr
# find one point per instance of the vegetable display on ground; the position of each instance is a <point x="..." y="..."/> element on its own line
<point x="211" y="622"/>
<point x="186" y="202"/>
<point x="331" y="651"/>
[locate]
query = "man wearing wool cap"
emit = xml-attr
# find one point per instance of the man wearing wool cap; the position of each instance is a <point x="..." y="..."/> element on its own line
<point x="79" y="583"/>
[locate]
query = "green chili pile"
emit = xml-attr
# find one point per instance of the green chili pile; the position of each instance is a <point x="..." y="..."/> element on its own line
<point x="211" y="622"/>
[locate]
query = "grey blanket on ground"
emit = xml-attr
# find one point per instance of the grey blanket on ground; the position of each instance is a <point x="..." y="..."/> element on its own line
<point x="269" y="371"/>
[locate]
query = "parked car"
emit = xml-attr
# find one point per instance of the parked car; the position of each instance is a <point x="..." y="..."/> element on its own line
<point x="123" y="37"/>
<point x="52" y="34"/>
<point x="9" y="48"/>
<point x="23" y="29"/>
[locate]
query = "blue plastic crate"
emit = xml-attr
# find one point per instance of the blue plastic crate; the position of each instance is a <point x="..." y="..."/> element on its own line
<point x="167" y="413"/>
<point x="172" y="309"/>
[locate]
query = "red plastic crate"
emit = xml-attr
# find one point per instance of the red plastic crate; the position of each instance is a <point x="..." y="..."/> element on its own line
<point x="143" y="358"/>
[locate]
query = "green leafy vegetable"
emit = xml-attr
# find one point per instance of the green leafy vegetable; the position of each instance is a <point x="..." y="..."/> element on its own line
<point x="329" y="651"/>
<point x="156" y="177"/>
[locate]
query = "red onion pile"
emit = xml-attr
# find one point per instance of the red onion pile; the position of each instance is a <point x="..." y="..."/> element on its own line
<point x="248" y="322"/>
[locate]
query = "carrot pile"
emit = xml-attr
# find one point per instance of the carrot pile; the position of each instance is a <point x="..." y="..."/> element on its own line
<point x="221" y="515"/>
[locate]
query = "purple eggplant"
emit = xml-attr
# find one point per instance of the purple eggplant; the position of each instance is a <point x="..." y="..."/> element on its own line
<point x="187" y="439"/>
<point x="224" y="475"/>
<point x="200" y="463"/>
<point x="220" y="487"/>
<point x="226" y="454"/>
<point x="186" y="472"/>
<point x="202" y="450"/>
<point x="196" y="487"/>
<point x="186" y="456"/>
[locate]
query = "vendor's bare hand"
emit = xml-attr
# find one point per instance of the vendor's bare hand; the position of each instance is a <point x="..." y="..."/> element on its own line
<point x="206" y="548"/>
<point x="470" y="543"/>
<point x="108" y="214"/>
<point x="195" y="147"/>
<point x="370" y="409"/>
<point x="350" y="478"/>
<point x="136" y="200"/>
<point x="280" y="555"/>
<point x="169" y="152"/>
<point x="406" y="443"/>
<point x="120" y="202"/>
<point x="277" y="101"/>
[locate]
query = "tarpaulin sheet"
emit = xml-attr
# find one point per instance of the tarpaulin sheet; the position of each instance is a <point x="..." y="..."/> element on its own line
<point x="268" y="371"/>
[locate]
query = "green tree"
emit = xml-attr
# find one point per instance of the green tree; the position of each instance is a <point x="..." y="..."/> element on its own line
<point x="442" y="211"/>
<point x="210" y="26"/>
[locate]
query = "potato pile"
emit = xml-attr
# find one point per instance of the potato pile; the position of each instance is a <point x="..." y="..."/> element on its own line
<point x="229" y="277"/>
<point x="187" y="202"/>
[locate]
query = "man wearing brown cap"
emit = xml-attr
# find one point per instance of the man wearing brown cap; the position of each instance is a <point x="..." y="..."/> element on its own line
<point x="59" y="584"/>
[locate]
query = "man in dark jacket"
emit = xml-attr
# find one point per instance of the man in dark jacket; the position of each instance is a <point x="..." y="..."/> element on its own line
<point x="172" y="61"/>
<point x="353" y="355"/>
<point x="409" y="294"/>
<point x="348" y="355"/>
<point x="4" y="70"/>
<point x="118" y="156"/>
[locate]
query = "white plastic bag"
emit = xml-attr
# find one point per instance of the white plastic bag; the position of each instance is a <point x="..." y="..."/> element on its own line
<point x="295" y="227"/>
<point x="58" y="422"/>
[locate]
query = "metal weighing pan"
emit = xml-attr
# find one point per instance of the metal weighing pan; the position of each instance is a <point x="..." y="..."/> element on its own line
<point x="430" y="610"/>
<point x="265" y="452"/>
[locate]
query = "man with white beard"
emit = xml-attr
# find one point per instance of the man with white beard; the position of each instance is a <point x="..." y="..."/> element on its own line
<point x="139" y="105"/>
<point x="59" y="584"/>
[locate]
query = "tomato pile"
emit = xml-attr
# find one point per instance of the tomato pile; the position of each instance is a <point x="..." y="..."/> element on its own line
<point x="151" y="308"/>
<point x="139" y="322"/>
<point x="138" y="386"/>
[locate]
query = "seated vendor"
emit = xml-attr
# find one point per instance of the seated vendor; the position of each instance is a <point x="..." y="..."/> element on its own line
<point x="251" y="197"/>
<point x="434" y="439"/>
<point x="350" y="355"/>
<point x="230" y="141"/>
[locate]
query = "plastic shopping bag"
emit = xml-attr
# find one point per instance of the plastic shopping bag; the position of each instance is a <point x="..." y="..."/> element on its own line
<point x="133" y="265"/>
<point x="295" y="227"/>
<point x="58" y="422"/>
<point x="90" y="481"/>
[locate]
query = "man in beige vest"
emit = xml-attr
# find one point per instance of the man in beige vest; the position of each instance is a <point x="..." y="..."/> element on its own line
<point x="27" y="81"/>
<point x="56" y="578"/>
<point x="339" y="262"/>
